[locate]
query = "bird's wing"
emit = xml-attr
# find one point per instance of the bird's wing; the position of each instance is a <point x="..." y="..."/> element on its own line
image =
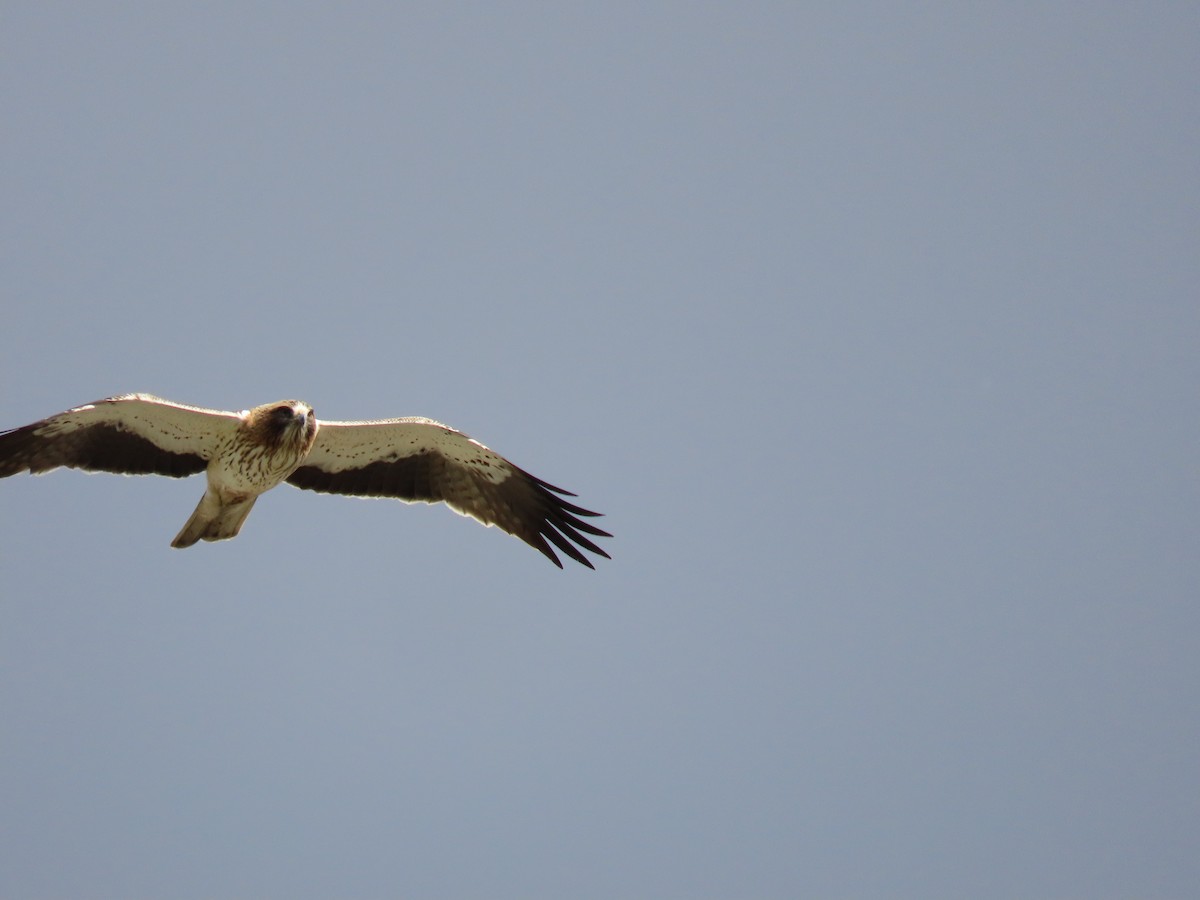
<point x="134" y="434"/>
<point x="419" y="460"/>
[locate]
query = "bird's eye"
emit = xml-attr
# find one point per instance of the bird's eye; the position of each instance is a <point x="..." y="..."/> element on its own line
<point x="282" y="413"/>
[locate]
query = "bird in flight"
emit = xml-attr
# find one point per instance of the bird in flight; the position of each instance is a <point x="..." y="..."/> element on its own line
<point x="243" y="454"/>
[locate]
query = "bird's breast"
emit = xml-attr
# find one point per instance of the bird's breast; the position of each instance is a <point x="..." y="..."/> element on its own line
<point x="248" y="467"/>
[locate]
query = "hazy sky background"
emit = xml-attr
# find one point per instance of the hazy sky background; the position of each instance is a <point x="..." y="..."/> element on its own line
<point x="874" y="329"/>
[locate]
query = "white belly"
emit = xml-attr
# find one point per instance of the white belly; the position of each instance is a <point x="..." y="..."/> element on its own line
<point x="244" y="471"/>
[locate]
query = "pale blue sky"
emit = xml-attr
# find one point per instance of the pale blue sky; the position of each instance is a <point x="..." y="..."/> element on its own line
<point x="873" y="329"/>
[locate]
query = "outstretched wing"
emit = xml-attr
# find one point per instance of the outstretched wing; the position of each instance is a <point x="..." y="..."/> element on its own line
<point x="134" y="434"/>
<point x="419" y="460"/>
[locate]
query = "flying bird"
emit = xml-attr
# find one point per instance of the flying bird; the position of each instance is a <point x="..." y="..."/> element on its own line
<point x="244" y="454"/>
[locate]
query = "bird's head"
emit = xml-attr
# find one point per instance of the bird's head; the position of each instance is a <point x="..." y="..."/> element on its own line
<point x="288" y="424"/>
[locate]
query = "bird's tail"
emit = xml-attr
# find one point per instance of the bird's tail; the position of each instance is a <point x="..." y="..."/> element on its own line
<point x="214" y="520"/>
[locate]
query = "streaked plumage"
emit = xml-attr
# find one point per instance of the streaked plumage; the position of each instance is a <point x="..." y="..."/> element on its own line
<point x="245" y="454"/>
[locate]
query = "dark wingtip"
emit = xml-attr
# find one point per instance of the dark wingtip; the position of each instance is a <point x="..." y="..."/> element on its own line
<point x="539" y="544"/>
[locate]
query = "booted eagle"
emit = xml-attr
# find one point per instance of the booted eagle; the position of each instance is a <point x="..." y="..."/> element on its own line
<point x="246" y="453"/>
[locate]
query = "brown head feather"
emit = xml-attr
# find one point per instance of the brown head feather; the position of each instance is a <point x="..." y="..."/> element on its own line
<point x="287" y="427"/>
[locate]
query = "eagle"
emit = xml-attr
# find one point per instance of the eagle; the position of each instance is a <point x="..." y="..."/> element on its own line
<point x="243" y="454"/>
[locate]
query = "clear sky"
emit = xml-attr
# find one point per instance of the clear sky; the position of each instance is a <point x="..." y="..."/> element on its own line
<point x="874" y="329"/>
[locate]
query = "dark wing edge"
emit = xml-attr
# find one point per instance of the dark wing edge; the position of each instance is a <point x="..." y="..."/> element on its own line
<point x="562" y="516"/>
<point x="522" y="505"/>
<point x="100" y="447"/>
